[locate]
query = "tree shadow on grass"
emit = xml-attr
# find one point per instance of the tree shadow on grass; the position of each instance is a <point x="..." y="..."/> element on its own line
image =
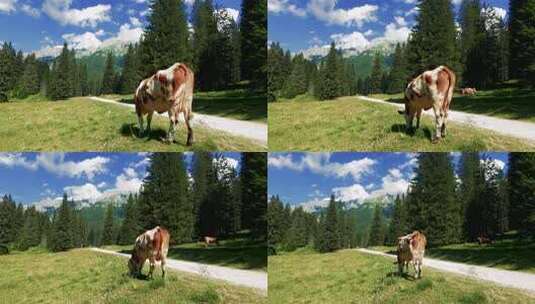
<point x="404" y="275"/>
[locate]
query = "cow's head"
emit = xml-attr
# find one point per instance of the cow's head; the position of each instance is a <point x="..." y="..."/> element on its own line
<point x="133" y="267"/>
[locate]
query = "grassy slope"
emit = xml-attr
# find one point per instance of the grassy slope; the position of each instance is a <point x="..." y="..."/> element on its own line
<point x="351" y="124"/>
<point x="509" y="103"/>
<point x="352" y="277"/>
<point x="236" y="104"/>
<point x="79" y="124"/>
<point x="241" y="254"/>
<point x="507" y="254"/>
<point x="39" y="277"/>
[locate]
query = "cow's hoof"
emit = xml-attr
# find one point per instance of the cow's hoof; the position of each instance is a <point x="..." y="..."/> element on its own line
<point x="435" y="140"/>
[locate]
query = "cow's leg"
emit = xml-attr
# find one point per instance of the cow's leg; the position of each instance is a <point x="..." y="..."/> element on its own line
<point x="187" y="118"/>
<point x="172" y="127"/>
<point x="439" y="121"/>
<point x="151" y="260"/>
<point x="418" y="116"/>
<point x="400" y="267"/>
<point x="149" y="119"/>
<point x="409" y="117"/>
<point x="443" y="128"/>
<point x="140" y="121"/>
<point x="163" y="268"/>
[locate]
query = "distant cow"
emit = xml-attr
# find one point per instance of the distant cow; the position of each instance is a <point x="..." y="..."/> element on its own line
<point x="168" y="91"/>
<point x="468" y="91"/>
<point x="152" y="245"/>
<point x="484" y="240"/>
<point x="411" y="248"/>
<point x="431" y="89"/>
<point x="208" y="240"/>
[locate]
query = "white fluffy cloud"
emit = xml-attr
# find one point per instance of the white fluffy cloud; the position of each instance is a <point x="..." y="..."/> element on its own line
<point x="284" y="6"/>
<point x="61" y="11"/>
<point x="86" y="191"/>
<point x="325" y="11"/>
<point x="393" y="183"/>
<point x="56" y="163"/>
<point x="30" y="11"/>
<point x="351" y="193"/>
<point x="320" y="163"/>
<point x="7" y="6"/>
<point x="397" y="31"/>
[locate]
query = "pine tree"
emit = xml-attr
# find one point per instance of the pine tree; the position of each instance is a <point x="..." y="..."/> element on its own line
<point x="276" y="71"/>
<point x="202" y="174"/>
<point x="472" y="179"/>
<point x="29" y="81"/>
<point x="108" y="226"/>
<point x="432" y="202"/>
<point x="60" y="83"/>
<point x="297" y="234"/>
<point x="30" y="235"/>
<point x="84" y="84"/>
<point x="130" y="77"/>
<point x="297" y="81"/>
<point x="61" y="237"/>
<point x="253" y="181"/>
<point x="253" y="28"/>
<point x="164" y="199"/>
<point x="276" y="221"/>
<point x="377" y="232"/>
<point x="331" y="233"/>
<point x="165" y="40"/>
<point x="108" y="78"/>
<point x="329" y="84"/>
<point x="398" y="226"/>
<point x="433" y="39"/>
<point x="398" y="74"/>
<point x="522" y="35"/>
<point x="129" y="227"/>
<point x="521" y="176"/>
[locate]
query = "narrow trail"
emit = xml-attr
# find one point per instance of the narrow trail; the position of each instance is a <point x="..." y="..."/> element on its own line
<point x="515" y="279"/>
<point x="248" y="278"/>
<point x="518" y="129"/>
<point x="251" y="130"/>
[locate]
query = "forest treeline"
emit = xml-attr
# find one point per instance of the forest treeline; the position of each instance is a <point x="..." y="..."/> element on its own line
<point x="211" y="199"/>
<point x="220" y="51"/>
<point x="450" y="205"/>
<point x="484" y="51"/>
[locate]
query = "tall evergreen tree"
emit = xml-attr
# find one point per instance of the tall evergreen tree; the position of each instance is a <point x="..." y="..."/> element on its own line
<point x="108" y="227"/>
<point x="130" y="227"/>
<point x="61" y="237"/>
<point x="130" y="75"/>
<point x="253" y="181"/>
<point x="433" y="39"/>
<point x="432" y="204"/>
<point x="60" y="83"/>
<point x="376" y="76"/>
<point x="522" y="35"/>
<point x="377" y="229"/>
<point x="521" y="176"/>
<point x="253" y="28"/>
<point x="165" y="199"/>
<point x="165" y="39"/>
<point x="329" y="83"/>
<point x="398" y="73"/>
<point x="108" y="78"/>
<point x="330" y="228"/>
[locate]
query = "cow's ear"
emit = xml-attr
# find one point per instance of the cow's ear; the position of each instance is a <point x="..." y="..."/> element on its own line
<point x="162" y="78"/>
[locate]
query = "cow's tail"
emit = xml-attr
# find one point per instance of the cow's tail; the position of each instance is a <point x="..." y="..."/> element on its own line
<point x="449" y="92"/>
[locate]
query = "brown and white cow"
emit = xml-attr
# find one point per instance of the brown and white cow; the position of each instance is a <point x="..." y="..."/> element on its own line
<point x="170" y="91"/>
<point x="209" y="240"/>
<point x="431" y="89"/>
<point x="152" y="245"/>
<point x="411" y="249"/>
<point x="468" y="91"/>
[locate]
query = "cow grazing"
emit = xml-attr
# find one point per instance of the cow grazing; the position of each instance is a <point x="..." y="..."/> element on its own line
<point x="168" y="91"/>
<point x="431" y="89"/>
<point x="411" y="248"/>
<point x="208" y="240"/>
<point x="152" y="245"/>
<point x="484" y="240"/>
<point x="468" y="91"/>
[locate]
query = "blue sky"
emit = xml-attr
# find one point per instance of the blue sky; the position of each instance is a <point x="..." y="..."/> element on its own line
<point x="310" y="25"/>
<point x="310" y="178"/>
<point x="44" y="177"/>
<point x="42" y="25"/>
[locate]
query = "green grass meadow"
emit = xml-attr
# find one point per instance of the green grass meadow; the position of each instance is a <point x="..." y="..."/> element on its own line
<point x="352" y="124"/>
<point x="83" y="276"/>
<point x="349" y="276"/>
<point x="507" y="254"/>
<point x="236" y="104"/>
<point x="235" y="253"/>
<point x="80" y="124"/>
<point x="509" y="103"/>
